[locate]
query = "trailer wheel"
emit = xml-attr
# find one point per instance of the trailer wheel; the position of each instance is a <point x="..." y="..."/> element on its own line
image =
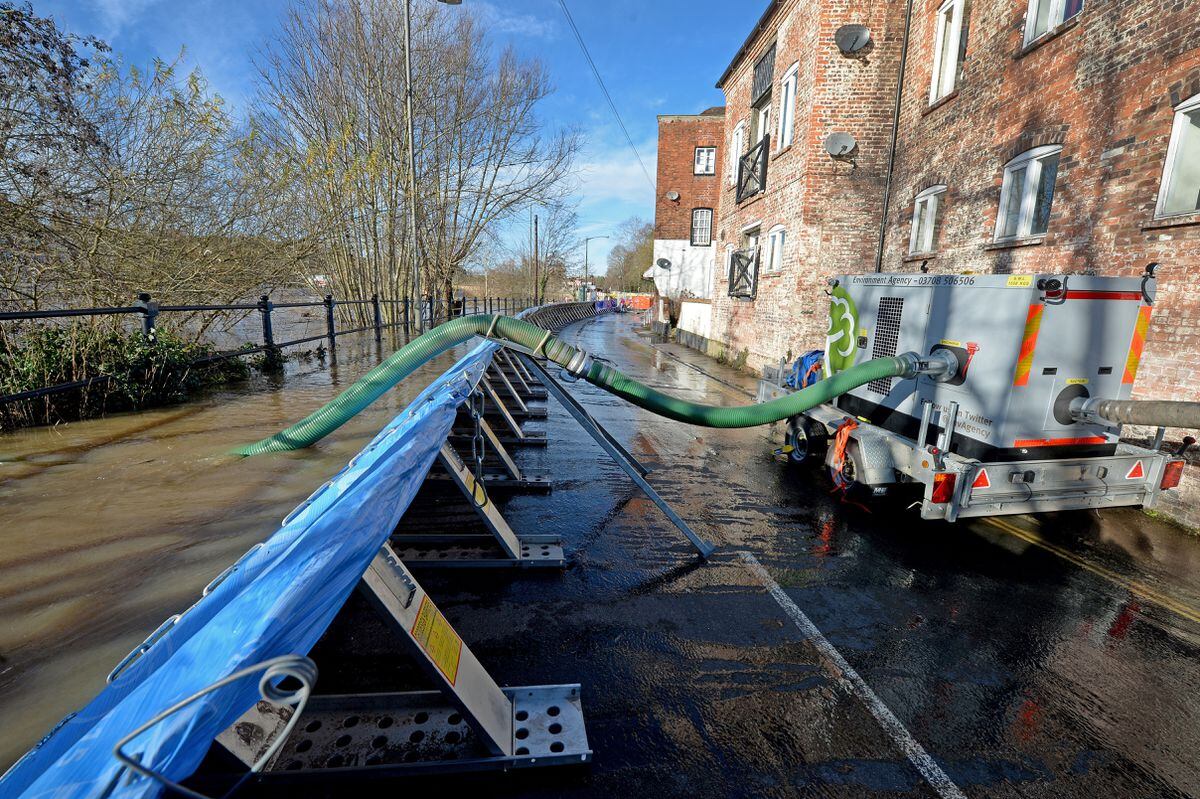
<point x="807" y="438"/>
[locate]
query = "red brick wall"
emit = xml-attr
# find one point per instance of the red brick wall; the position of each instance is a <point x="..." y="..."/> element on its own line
<point x="1104" y="88"/>
<point x="830" y="209"/>
<point x="678" y="138"/>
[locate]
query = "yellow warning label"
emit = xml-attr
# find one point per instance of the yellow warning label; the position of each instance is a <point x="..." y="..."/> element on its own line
<point x="435" y="635"/>
<point x="949" y="342"/>
<point x="1020" y="281"/>
<point x="1077" y="381"/>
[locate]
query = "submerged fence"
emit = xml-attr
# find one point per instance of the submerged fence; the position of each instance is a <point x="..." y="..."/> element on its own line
<point x="432" y="313"/>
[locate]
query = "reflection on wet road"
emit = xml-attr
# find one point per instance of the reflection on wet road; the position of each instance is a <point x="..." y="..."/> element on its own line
<point x="1050" y="656"/>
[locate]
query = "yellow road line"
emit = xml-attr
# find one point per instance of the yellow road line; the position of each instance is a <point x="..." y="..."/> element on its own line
<point x="1134" y="587"/>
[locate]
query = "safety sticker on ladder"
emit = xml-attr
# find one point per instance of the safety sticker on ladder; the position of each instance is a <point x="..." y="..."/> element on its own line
<point x="982" y="480"/>
<point x="1136" y="472"/>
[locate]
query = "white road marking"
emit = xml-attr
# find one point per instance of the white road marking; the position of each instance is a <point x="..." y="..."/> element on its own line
<point x="848" y="677"/>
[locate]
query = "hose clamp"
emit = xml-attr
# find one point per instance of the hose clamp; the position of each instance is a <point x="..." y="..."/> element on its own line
<point x="580" y="364"/>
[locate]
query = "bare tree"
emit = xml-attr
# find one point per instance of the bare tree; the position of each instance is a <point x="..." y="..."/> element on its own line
<point x="332" y="96"/>
<point x="631" y="256"/>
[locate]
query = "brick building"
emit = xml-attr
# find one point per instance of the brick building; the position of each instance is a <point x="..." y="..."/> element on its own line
<point x="690" y="148"/>
<point x="1029" y="136"/>
<point x="1060" y="136"/>
<point x="790" y="213"/>
<point x="1070" y="110"/>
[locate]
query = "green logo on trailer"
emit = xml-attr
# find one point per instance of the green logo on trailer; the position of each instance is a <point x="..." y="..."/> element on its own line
<point x="840" y="339"/>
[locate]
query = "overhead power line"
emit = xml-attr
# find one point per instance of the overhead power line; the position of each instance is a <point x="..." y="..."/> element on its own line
<point x="604" y="89"/>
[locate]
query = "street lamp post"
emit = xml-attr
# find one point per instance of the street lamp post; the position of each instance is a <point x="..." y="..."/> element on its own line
<point x="412" y="161"/>
<point x="585" y="261"/>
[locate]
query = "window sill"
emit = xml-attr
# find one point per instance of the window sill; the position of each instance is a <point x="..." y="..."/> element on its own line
<point x="704" y="174"/>
<point x="781" y="151"/>
<point x="749" y="201"/>
<point x="941" y="101"/>
<point x="1048" y="36"/>
<point x="919" y="256"/>
<point x="1009" y="244"/>
<point x="1179" y="220"/>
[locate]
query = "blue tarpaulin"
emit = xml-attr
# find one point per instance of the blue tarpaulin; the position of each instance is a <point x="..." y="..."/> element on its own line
<point x="278" y="599"/>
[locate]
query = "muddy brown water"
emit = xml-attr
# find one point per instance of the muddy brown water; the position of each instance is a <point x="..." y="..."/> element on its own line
<point x="111" y="525"/>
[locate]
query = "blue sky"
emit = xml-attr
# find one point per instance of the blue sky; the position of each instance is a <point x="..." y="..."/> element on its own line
<point x="656" y="56"/>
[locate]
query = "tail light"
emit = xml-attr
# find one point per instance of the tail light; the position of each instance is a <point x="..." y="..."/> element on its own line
<point x="1172" y="473"/>
<point x="943" y="488"/>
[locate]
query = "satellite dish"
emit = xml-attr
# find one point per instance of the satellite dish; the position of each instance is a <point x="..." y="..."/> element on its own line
<point x="852" y="38"/>
<point x="663" y="263"/>
<point x="840" y="145"/>
<point x="672" y="196"/>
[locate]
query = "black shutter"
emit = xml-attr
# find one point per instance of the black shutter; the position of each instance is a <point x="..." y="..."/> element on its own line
<point x="764" y="75"/>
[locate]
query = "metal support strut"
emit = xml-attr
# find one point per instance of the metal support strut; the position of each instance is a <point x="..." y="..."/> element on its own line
<point x="626" y="461"/>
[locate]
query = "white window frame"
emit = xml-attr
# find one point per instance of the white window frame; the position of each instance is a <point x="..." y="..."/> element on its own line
<point x="937" y="88"/>
<point x="931" y="198"/>
<point x="1033" y="177"/>
<point x="709" y="165"/>
<point x="776" y="243"/>
<point x="1055" y="18"/>
<point x="736" y="149"/>
<point x="787" y="106"/>
<point x="692" y="233"/>
<point x="1170" y="167"/>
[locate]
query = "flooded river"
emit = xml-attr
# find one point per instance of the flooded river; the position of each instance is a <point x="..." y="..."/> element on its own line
<point x="111" y="525"/>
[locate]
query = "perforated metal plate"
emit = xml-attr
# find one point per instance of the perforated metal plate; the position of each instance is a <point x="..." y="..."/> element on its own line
<point x="477" y="551"/>
<point x="419" y="731"/>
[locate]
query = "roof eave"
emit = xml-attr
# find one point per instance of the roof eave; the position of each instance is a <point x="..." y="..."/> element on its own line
<point x="758" y="27"/>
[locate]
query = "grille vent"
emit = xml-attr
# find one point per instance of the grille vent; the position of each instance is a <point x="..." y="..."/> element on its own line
<point x="887" y="336"/>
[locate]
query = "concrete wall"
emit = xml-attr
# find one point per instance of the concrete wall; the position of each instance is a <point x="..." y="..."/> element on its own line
<point x="695" y="316"/>
<point x="690" y="272"/>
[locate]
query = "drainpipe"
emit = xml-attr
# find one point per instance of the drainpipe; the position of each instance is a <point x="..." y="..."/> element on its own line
<point x="887" y="186"/>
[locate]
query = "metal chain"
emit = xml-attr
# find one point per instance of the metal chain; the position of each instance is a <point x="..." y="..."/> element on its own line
<point x="478" y="445"/>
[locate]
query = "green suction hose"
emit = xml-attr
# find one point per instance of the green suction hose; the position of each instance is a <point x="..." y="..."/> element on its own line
<point x="424" y="348"/>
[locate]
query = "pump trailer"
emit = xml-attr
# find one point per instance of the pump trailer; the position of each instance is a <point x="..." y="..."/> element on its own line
<point x="1016" y="403"/>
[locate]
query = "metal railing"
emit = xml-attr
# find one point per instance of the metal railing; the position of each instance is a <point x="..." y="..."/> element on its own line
<point x="432" y="312"/>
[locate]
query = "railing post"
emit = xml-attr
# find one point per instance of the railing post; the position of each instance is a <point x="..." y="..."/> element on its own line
<point x="378" y="317"/>
<point x="149" y="317"/>
<point x="330" y="328"/>
<point x="475" y="305"/>
<point x="407" y="313"/>
<point x="265" y="306"/>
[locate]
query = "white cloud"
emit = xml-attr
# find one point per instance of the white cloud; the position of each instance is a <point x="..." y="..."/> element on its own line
<point x="116" y="15"/>
<point x="502" y="21"/>
<point x="609" y="172"/>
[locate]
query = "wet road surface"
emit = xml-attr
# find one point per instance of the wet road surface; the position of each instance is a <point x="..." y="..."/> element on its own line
<point x="823" y="651"/>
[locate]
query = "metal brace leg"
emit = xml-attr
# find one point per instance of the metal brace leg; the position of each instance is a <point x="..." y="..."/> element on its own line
<point x="623" y="459"/>
<point x="479" y="724"/>
<point x="502" y="354"/>
<point x="490" y="392"/>
<point x="512" y="392"/>
<point x="506" y="460"/>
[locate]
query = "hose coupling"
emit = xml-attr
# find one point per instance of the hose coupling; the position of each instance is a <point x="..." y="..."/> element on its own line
<point x="580" y="364"/>
<point x="941" y="365"/>
<point x="1086" y="409"/>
